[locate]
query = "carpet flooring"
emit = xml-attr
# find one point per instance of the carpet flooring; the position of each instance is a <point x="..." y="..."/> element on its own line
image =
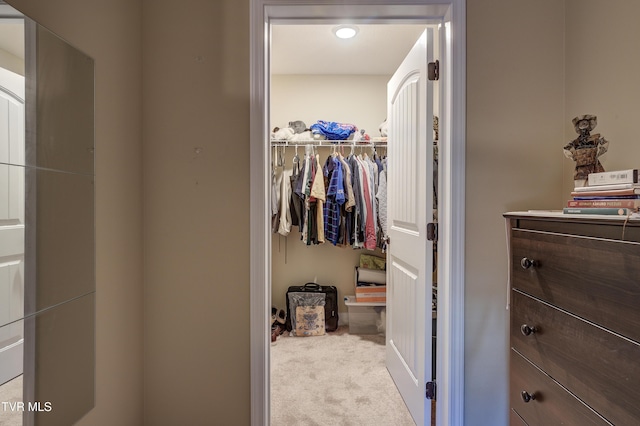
<point x="335" y="379"/>
<point x="11" y="392"/>
<point x="338" y="379"/>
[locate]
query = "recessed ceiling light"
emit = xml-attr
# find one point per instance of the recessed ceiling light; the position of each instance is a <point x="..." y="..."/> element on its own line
<point x="345" y="31"/>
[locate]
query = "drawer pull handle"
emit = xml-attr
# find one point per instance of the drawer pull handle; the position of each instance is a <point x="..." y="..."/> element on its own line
<point x="527" y="263"/>
<point x="527" y="329"/>
<point x="526" y="396"/>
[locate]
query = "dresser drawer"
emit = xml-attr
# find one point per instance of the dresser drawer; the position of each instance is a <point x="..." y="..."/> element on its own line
<point x="515" y="419"/>
<point x="551" y="403"/>
<point x="599" y="367"/>
<point x="594" y="278"/>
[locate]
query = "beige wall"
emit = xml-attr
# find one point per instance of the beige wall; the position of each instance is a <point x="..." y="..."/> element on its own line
<point x="515" y="125"/>
<point x="196" y="219"/>
<point x="603" y="68"/>
<point x="110" y="33"/>
<point x="11" y="62"/>
<point x="355" y="99"/>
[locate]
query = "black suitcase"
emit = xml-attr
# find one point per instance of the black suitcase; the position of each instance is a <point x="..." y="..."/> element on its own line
<point x="330" y="305"/>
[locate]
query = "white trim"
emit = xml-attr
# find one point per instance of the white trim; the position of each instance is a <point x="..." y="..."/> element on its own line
<point x="13" y="345"/>
<point x="451" y="238"/>
<point x="450" y="348"/>
<point x="260" y="286"/>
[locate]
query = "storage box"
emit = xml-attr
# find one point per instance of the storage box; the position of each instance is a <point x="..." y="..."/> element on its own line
<point x="370" y="285"/>
<point x="371" y="293"/>
<point x="366" y="317"/>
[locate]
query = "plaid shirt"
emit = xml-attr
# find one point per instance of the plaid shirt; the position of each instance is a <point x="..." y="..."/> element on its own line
<point x="335" y="199"/>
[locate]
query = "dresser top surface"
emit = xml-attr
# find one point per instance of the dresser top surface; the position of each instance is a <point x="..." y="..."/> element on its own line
<point x="558" y="215"/>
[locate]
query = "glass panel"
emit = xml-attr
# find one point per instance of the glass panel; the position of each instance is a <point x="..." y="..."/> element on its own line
<point x="11" y="117"/>
<point x="64" y="92"/>
<point x="64" y="237"/>
<point x="11" y="243"/>
<point x="11" y="399"/>
<point x="47" y="242"/>
<point x="63" y="358"/>
<point x="11" y="351"/>
<point x="11" y="356"/>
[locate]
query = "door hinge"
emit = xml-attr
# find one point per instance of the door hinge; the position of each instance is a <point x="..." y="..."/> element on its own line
<point x="431" y="390"/>
<point x="432" y="231"/>
<point x="433" y="70"/>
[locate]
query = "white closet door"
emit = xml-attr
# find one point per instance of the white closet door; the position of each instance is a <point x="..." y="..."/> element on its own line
<point x="410" y="205"/>
<point x="11" y="223"/>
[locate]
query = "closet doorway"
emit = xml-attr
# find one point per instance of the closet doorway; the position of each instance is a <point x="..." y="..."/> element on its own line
<point x="266" y="15"/>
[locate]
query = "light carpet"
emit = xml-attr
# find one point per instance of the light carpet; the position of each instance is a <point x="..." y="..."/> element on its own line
<point x="335" y="379"/>
<point x="11" y="392"/>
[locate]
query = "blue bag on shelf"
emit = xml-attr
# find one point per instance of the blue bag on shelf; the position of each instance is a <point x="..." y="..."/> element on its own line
<point x="333" y="130"/>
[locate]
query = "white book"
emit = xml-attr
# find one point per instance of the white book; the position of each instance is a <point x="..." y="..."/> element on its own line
<point x="613" y="177"/>
<point x="608" y="187"/>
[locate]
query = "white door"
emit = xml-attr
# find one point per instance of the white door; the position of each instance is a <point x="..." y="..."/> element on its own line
<point x="410" y="207"/>
<point x="11" y="224"/>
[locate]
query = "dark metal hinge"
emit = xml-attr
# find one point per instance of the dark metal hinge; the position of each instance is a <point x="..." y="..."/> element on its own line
<point x="432" y="231"/>
<point x="433" y="70"/>
<point x="431" y="390"/>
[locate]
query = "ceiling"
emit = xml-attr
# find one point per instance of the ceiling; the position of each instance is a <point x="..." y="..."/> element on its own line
<point x="303" y="49"/>
<point x="314" y="49"/>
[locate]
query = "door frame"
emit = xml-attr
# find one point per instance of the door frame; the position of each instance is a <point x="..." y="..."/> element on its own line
<point x="451" y="208"/>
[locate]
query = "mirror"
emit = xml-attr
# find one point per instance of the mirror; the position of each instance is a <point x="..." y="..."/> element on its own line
<point x="47" y="237"/>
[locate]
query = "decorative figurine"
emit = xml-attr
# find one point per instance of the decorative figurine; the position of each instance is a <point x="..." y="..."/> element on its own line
<point x="586" y="148"/>
<point x="364" y="136"/>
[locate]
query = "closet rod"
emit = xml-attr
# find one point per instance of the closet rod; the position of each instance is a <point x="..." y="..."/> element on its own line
<point x="278" y="142"/>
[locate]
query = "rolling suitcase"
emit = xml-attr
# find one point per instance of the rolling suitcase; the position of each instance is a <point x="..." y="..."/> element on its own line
<point x="330" y="306"/>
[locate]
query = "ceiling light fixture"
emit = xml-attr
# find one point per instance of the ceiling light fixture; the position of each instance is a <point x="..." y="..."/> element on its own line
<point x="345" y="31"/>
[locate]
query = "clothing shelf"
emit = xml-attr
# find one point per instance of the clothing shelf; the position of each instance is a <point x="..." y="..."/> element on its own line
<point x="281" y="142"/>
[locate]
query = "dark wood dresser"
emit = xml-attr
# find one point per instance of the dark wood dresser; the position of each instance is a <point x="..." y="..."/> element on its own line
<point x="575" y="319"/>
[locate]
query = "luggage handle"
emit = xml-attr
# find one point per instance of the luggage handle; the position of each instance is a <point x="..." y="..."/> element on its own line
<point x="311" y="286"/>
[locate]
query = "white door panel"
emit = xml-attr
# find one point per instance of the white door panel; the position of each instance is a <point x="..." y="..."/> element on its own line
<point x="410" y="204"/>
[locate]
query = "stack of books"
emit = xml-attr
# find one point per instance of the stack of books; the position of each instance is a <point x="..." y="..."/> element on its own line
<point x="613" y="193"/>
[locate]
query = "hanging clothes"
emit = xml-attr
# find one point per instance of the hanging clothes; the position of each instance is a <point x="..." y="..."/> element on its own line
<point x="319" y="193"/>
<point x="294" y="207"/>
<point x="346" y="173"/>
<point x="381" y="196"/>
<point x="299" y="196"/>
<point x="309" y="232"/>
<point x="342" y="200"/>
<point x="284" y="226"/>
<point x="369" y="222"/>
<point x="275" y="200"/>
<point x="346" y="213"/>
<point x="373" y="188"/>
<point x="335" y="198"/>
<point x="357" y="234"/>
